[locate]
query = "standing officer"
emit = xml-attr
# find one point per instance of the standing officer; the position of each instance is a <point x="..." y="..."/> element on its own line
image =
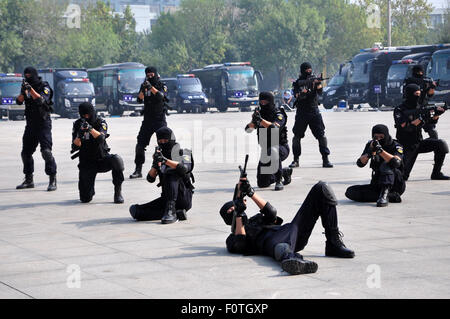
<point x="306" y="91"/>
<point x="174" y="167"/>
<point x="409" y="121"/>
<point x="270" y="123"/>
<point x="89" y="137"/>
<point x="37" y="96"/>
<point x="427" y="87"/>
<point x="385" y="155"/>
<point x="152" y="93"/>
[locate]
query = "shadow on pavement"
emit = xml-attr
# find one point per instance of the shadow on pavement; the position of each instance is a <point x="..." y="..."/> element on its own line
<point x="104" y="221"/>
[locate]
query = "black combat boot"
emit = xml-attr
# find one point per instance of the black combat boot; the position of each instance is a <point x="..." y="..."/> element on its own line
<point x="326" y="162"/>
<point x="294" y="164"/>
<point x="293" y="263"/>
<point x="278" y="185"/>
<point x="334" y="246"/>
<point x="437" y="174"/>
<point x="383" y="199"/>
<point x="27" y="183"/>
<point x="170" y="213"/>
<point x="287" y="173"/>
<point x="118" y="199"/>
<point x="133" y="211"/>
<point x="181" y="214"/>
<point x="137" y="173"/>
<point x="52" y="184"/>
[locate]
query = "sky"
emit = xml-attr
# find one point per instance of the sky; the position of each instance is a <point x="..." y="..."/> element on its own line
<point x="439" y="3"/>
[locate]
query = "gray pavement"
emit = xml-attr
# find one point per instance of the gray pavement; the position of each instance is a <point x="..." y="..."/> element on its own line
<point x="49" y="240"/>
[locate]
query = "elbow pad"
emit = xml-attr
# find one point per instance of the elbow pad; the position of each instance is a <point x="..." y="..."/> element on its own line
<point x="394" y="163"/>
<point x="17" y="101"/>
<point x="181" y="169"/>
<point x="150" y="179"/>
<point x="269" y="212"/>
<point x="101" y="139"/>
<point x="359" y="163"/>
<point x="160" y="96"/>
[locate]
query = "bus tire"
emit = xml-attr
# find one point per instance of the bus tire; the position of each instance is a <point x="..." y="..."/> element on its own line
<point x="179" y="110"/>
<point x="222" y="109"/>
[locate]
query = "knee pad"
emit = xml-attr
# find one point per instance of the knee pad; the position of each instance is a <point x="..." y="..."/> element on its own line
<point x="47" y="155"/>
<point x="281" y="250"/>
<point x="328" y="193"/>
<point x="117" y="163"/>
<point x="443" y="147"/>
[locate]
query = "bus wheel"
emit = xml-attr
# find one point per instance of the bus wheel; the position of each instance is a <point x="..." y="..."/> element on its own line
<point x="222" y="109"/>
<point x="179" y="110"/>
<point x="328" y="106"/>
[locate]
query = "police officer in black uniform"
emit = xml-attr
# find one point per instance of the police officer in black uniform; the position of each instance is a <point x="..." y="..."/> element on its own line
<point x="152" y="93"/>
<point x="409" y="122"/>
<point x="270" y="123"/>
<point x="385" y="155"/>
<point x="37" y="96"/>
<point x="89" y="138"/>
<point x="174" y="167"/>
<point x="427" y="86"/>
<point x="308" y="114"/>
<point x="264" y="234"/>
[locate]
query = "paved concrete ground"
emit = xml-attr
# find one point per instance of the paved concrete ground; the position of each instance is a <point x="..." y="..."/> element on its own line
<point x="401" y="251"/>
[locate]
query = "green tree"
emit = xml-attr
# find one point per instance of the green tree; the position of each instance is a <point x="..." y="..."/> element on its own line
<point x="410" y="19"/>
<point x="285" y="34"/>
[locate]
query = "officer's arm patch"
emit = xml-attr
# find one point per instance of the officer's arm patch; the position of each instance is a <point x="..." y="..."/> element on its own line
<point x="399" y="149"/>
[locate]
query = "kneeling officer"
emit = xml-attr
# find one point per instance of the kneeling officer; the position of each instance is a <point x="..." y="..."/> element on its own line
<point x="89" y="137"/>
<point x="174" y="167"/>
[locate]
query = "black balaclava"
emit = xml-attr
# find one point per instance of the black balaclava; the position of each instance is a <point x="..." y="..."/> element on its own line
<point x="167" y="134"/>
<point x="416" y="69"/>
<point x="34" y="80"/>
<point x="152" y="69"/>
<point x="268" y="109"/>
<point x="227" y="217"/>
<point x="382" y="129"/>
<point x="411" y="100"/>
<point x="305" y="66"/>
<point x="88" y="108"/>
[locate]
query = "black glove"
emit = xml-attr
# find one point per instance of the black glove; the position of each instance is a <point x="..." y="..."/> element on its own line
<point x="377" y="147"/>
<point x="256" y="118"/>
<point x="240" y="207"/>
<point x="26" y="86"/>
<point x="158" y="157"/>
<point x="85" y="127"/>
<point x="147" y="85"/>
<point x="438" y="113"/>
<point x="246" y="189"/>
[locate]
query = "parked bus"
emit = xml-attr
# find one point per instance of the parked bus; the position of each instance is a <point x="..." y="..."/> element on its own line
<point x="439" y="70"/>
<point x="10" y="85"/>
<point x="71" y="87"/>
<point x="226" y="85"/>
<point x="117" y="86"/>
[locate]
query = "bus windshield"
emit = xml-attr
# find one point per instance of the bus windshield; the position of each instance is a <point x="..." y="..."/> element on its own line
<point x="397" y="72"/>
<point x="79" y="88"/>
<point x="439" y="69"/>
<point x="130" y="80"/>
<point x="357" y="74"/>
<point x="10" y="89"/>
<point x="242" y="80"/>
<point x="337" y="80"/>
<point x="190" y="85"/>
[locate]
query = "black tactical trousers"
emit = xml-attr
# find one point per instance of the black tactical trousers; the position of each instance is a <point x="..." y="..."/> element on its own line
<point x="88" y="173"/>
<point x="173" y="189"/>
<point x="148" y="128"/>
<point x="386" y="176"/>
<point x="297" y="232"/>
<point x="266" y="174"/>
<point x="439" y="147"/>
<point x="315" y="123"/>
<point x="38" y="133"/>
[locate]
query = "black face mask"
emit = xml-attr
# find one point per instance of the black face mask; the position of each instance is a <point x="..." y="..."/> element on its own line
<point x="227" y="217"/>
<point x="88" y="108"/>
<point x="418" y="71"/>
<point x="305" y="66"/>
<point x="411" y="100"/>
<point x="34" y="80"/>
<point x="382" y="129"/>
<point x="165" y="133"/>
